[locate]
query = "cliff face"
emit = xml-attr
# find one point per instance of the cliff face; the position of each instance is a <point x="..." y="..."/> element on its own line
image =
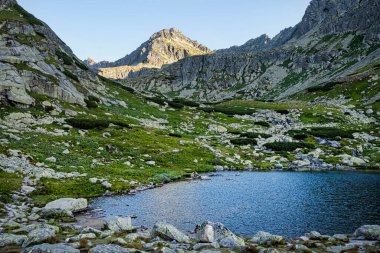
<point x="335" y="39"/>
<point x="34" y="61"/>
<point x="164" y="47"/>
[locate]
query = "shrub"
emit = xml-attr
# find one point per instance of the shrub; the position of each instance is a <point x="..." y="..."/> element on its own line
<point x="93" y="98"/>
<point x="175" y="105"/>
<point x="175" y="135"/>
<point x="287" y="146"/>
<point x="324" y="87"/>
<point x="156" y="100"/>
<point x="244" y="141"/>
<point x="67" y="60"/>
<point x="229" y="111"/>
<point x="91" y="104"/>
<point x="300" y="136"/>
<point x="262" y="123"/>
<point x="330" y="132"/>
<point x="70" y="75"/>
<point x="80" y="65"/>
<point x="186" y="102"/>
<point x="82" y="123"/>
<point x="255" y="135"/>
<point x="282" y="111"/>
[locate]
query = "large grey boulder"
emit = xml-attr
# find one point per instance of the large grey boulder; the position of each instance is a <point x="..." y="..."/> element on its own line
<point x="39" y="236"/>
<point x="68" y="204"/>
<point x="262" y="237"/>
<point x="51" y="248"/>
<point x="119" y="224"/>
<point x="217" y="232"/>
<point x="368" y="232"/>
<point x="169" y="232"/>
<point x="109" y="248"/>
<point x="9" y="239"/>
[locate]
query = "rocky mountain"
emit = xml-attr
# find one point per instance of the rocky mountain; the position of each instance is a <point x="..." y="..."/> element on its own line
<point x="163" y="47"/>
<point x="336" y="41"/>
<point x="34" y="61"/>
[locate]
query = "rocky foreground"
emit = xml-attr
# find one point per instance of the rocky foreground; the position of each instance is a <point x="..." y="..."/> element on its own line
<point x="55" y="229"/>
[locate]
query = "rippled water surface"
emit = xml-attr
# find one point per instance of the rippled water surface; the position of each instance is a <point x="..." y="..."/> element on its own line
<point x="286" y="203"/>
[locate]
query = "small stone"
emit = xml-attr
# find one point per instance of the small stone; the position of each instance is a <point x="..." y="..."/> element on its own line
<point x="66" y="151"/>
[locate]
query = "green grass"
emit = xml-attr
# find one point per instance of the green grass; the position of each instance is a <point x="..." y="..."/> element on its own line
<point x="18" y="14"/>
<point x="9" y="182"/>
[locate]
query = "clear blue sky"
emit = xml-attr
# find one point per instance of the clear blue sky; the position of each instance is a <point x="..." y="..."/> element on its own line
<point x="110" y="29"/>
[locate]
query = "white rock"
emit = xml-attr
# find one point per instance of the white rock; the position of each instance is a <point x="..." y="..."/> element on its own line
<point x="69" y="204"/>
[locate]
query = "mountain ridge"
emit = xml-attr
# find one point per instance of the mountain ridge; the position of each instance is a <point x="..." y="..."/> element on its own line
<point x="333" y="39"/>
<point x="163" y="47"/>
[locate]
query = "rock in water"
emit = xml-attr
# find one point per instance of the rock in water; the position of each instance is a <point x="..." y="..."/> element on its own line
<point x="368" y="232"/>
<point x="109" y="248"/>
<point x="50" y="248"/>
<point x="169" y="232"/>
<point x="68" y="204"/>
<point x="119" y="224"/>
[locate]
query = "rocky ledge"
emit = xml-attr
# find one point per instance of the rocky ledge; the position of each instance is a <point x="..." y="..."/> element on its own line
<point x="55" y="229"/>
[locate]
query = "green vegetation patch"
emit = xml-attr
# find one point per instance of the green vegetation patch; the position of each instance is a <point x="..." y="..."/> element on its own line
<point x="255" y="135"/>
<point x="9" y="182"/>
<point x="67" y="60"/>
<point x="70" y="75"/>
<point x="244" y="141"/>
<point x="82" y="123"/>
<point x="288" y="146"/>
<point x="330" y="132"/>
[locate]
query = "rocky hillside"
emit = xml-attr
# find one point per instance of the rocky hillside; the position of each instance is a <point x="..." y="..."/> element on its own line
<point x="164" y="47"/>
<point x="336" y="41"/>
<point x="35" y="62"/>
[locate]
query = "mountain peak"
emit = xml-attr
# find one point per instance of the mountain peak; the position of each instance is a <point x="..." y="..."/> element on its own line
<point x="163" y="47"/>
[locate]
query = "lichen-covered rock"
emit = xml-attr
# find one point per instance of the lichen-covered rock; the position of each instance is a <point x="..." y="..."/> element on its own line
<point x="169" y="232"/>
<point x="10" y="239"/>
<point x="68" y="204"/>
<point x="51" y="248"/>
<point x="262" y="237"/>
<point x="39" y="236"/>
<point x="119" y="224"/>
<point x="109" y="248"/>
<point x="368" y="232"/>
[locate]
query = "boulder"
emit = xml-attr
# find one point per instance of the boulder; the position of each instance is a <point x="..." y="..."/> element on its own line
<point x="56" y="213"/>
<point x="169" y="232"/>
<point x="9" y="239"/>
<point x="109" y="248"/>
<point x="119" y="224"/>
<point x="68" y="204"/>
<point x="50" y="248"/>
<point x="217" y="232"/>
<point x="38" y="236"/>
<point x="262" y="237"/>
<point x="232" y="242"/>
<point x="368" y="232"/>
<point x="314" y="235"/>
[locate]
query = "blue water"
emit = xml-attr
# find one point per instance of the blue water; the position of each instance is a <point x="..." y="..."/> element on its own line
<point x="286" y="203"/>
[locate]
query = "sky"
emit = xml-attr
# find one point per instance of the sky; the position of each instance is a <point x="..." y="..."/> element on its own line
<point x="110" y="29"/>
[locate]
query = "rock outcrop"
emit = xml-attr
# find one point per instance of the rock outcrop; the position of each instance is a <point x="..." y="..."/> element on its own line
<point x="33" y="60"/>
